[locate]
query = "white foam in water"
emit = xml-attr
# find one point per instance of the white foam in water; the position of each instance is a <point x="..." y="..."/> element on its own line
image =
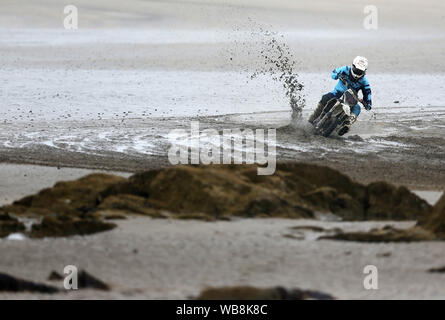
<point x="294" y="147"/>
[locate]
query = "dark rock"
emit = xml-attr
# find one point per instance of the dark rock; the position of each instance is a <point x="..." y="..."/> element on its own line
<point x="127" y="203"/>
<point x="309" y="228"/>
<point x="430" y="227"/>
<point x="437" y="270"/>
<point x="11" y="284"/>
<point x="435" y="222"/>
<point x="67" y="197"/>
<point x="57" y="227"/>
<point x="293" y="236"/>
<point x="9" y="225"/>
<point x="55" y="276"/>
<point x="386" y="201"/>
<point x="67" y="208"/>
<point x="252" y="293"/>
<point x="85" y="280"/>
<point x="296" y="190"/>
<point x="387" y="234"/>
<point x="298" y="294"/>
<point x="327" y="199"/>
<point x="384" y="255"/>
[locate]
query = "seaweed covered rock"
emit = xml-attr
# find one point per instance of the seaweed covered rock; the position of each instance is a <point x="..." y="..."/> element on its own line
<point x="217" y="191"/>
<point x="386" y="201"/>
<point x="66" y="197"/>
<point x="327" y="199"/>
<point x="9" y="225"/>
<point x="435" y="222"/>
<point x="63" y="210"/>
<point x="296" y="190"/>
<point x="386" y="234"/>
<point x="429" y="227"/>
<point x="84" y="280"/>
<point x="12" y="284"/>
<point x="64" y="226"/>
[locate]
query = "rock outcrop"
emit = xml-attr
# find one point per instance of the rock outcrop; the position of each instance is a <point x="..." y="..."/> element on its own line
<point x="296" y="190"/>
<point x="253" y="293"/>
<point x="435" y="222"/>
<point x="12" y="284"/>
<point x="429" y="227"/>
<point x="9" y="225"/>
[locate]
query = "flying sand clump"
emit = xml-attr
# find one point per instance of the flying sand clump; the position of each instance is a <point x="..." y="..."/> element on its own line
<point x="280" y="64"/>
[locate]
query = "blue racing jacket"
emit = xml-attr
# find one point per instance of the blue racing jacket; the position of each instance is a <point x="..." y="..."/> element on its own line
<point x="360" y="84"/>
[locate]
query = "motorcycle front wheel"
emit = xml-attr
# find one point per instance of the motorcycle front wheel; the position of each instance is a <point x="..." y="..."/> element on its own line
<point x="329" y="127"/>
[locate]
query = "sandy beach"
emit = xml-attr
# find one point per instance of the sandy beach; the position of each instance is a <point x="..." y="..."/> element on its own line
<point x="146" y="258"/>
<point x="104" y="98"/>
<point x="160" y="259"/>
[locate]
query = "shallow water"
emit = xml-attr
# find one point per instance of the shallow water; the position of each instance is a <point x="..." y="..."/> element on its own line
<point x="86" y="93"/>
<point x="31" y="95"/>
<point x="131" y="111"/>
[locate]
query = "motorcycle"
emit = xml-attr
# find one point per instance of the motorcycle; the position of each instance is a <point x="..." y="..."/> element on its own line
<point x="336" y="113"/>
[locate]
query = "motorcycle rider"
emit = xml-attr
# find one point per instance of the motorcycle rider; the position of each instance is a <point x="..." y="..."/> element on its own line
<point x="354" y="76"/>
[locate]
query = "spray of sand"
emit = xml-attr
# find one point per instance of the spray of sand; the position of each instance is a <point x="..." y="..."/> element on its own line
<point x="280" y="64"/>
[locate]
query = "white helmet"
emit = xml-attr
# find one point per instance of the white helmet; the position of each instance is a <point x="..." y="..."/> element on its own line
<point x="359" y="67"/>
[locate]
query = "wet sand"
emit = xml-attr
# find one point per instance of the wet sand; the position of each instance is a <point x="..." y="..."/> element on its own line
<point x="405" y="151"/>
<point x="162" y="259"/>
<point x="105" y="96"/>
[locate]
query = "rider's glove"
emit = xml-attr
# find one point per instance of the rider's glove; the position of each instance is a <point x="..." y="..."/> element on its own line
<point x="368" y="106"/>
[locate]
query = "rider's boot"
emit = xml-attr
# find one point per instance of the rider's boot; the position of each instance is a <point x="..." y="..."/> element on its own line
<point x="348" y="124"/>
<point x="316" y="113"/>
